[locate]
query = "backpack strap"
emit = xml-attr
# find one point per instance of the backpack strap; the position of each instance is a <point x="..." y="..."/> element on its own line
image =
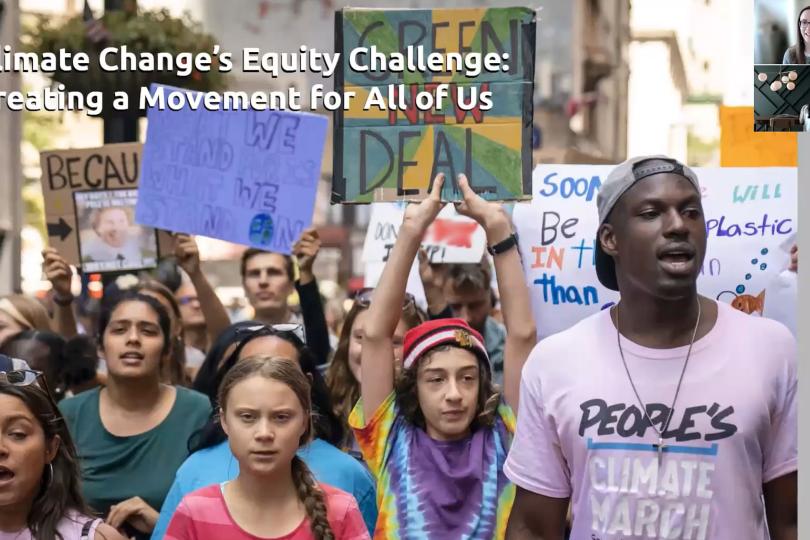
<point x="86" y="528"/>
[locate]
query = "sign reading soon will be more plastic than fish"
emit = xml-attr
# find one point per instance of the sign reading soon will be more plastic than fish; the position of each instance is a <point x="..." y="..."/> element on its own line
<point x="751" y="219"/>
<point x="246" y="176"/>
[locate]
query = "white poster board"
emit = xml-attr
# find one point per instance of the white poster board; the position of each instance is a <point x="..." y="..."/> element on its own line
<point x="450" y="239"/>
<point x="751" y="218"/>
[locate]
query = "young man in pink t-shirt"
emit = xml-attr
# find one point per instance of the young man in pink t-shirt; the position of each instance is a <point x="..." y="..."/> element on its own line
<point x="668" y="416"/>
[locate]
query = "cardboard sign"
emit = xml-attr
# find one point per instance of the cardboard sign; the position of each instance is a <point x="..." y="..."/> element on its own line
<point x="450" y="239"/>
<point x="386" y="155"/>
<point x="89" y="204"/>
<point x="751" y="220"/>
<point x="248" y="177"/>
<point x="742" y="147"/>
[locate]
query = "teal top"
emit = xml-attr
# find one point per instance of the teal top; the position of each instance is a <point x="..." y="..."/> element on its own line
<point x="117" y="468"/>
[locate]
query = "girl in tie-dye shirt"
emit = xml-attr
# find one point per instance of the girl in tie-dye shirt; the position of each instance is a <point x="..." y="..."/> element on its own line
<point x="437" y="439"/>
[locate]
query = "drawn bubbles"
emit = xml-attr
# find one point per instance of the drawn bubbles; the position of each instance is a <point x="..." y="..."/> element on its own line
<point x="261" y="229"/>
<point x="748" y="303"/>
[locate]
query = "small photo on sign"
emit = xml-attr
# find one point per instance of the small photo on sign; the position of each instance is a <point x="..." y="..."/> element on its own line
<point x="109" y="238"/>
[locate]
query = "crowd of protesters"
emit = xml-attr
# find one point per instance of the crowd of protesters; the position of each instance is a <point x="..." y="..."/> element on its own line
<point x="668" y="415"/>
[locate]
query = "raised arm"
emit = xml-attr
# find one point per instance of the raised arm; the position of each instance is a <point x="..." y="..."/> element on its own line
<point x="377" y="358"/>
<point x="216" y="316"/>
<point x="58" y="272"/>
<point x="306" y="250"/>
<point x="521" y="335"/>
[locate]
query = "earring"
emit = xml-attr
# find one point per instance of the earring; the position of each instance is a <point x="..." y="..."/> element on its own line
<point x="50" y="475"/>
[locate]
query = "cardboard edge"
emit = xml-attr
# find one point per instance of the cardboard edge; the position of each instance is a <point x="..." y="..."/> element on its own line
<point x="529" y="52"/>
<point x="338" y="180"/>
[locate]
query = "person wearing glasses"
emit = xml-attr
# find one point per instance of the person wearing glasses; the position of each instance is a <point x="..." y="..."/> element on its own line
<point x="202" y="314"/>
<point x="213" y="462"/>
<point x="133" y="433"/>
<point x="40" y="493"/>
<point x="343" y="374"/>
<point x="269" y="279"/>
<point x="437" y="438"/>
<point x="800" y="52"/>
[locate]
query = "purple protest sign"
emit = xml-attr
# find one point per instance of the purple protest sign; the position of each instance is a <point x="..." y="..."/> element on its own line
<point x="245" y="176"/>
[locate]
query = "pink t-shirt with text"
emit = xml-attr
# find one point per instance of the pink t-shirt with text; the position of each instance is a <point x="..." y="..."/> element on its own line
<point x="203" y="515"/>
<point x="581" y="433"/>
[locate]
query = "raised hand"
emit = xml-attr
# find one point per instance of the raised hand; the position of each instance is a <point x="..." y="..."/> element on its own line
<point x="187" y="253"/>
<point x="57" y="271"/>
<point x="490" y="215"/>
<point x="421" y="215"/>
<point x="432" y="274"/>
<point x="306" y="249"/>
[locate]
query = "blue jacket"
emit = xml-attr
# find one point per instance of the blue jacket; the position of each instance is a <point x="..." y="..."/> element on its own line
<point x="217" y="464"/>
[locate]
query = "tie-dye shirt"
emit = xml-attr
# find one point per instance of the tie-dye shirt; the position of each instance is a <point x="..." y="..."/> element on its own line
<point x="428" y="489"/>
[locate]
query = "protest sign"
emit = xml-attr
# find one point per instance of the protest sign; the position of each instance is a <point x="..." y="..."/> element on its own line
<point x="742" y="147"/>
<point x="373" y="271"/>
<point x="451" y="238"/>
<point x="245" y="176"/>
<point x="89" y="198"/>
<point x="751" y="216"/>
<point x="387" y="149"/>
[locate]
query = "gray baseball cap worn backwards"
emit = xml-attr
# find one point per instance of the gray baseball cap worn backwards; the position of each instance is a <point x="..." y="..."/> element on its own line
<point x="622" y="178"/>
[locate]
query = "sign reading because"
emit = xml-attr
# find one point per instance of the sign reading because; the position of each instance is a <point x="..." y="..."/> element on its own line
<point x="90" y="199"/>
<point x="751" y="221"/>
<point x="244" y="176"/>
<point x="404" y="127"/>
<point x="451" y="238"/>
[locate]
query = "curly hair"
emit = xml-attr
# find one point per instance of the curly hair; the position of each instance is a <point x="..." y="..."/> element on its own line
<point x="408" y="398"/>
<point x="288" y="372"/>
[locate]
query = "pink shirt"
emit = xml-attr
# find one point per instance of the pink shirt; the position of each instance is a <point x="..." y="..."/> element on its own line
<point x="203" y="515"/>
<point x="74" y="526"/>
<point x="581" y="433"/>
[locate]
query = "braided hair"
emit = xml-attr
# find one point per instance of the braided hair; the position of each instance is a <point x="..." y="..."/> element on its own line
<point x="311" y="496"/>
<point x="288" y="372"/>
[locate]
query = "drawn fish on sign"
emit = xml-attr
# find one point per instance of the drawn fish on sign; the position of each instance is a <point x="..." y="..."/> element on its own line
<point x="747" y="303"/>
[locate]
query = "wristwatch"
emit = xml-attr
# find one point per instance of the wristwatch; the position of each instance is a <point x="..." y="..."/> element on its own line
<point x="504" y="245"/>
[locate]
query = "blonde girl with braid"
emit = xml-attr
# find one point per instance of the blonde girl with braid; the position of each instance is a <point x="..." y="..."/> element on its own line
<point x="266" y="412"/>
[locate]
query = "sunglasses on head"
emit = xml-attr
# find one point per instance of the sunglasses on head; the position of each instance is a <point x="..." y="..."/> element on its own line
<point x="363" y="298"/>
<point x="183" y="300"/>
<point x="287" y="328"/>
<point x="26" y="377"/>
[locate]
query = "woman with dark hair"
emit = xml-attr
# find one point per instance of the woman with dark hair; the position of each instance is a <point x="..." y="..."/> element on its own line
<point x="213" y="462"/>
<point x="343" y="374"/>
<point x="800" y="52"/>
<point x="43" y="351"/>
<point x="131" y="434"/>
<point x="40" y="495"/>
